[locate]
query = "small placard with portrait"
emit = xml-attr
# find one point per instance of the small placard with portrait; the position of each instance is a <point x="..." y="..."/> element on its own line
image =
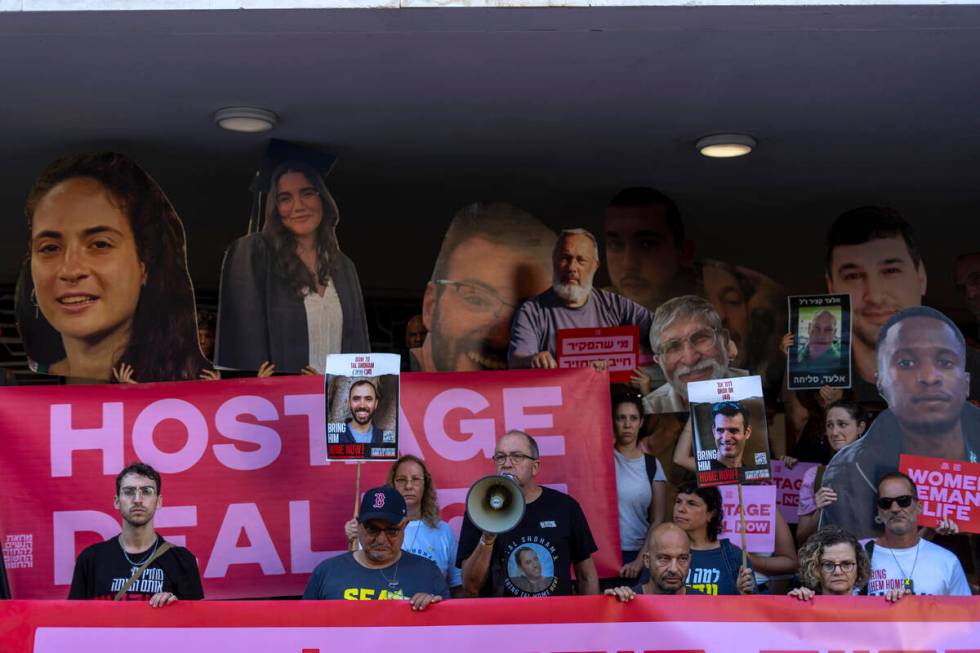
<point x="731" y="439"/>
<point x="821" y="351"/>
<point x="362" y="406"/>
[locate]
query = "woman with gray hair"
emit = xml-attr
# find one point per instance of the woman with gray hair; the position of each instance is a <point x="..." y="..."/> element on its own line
<point x="832" y="562"/>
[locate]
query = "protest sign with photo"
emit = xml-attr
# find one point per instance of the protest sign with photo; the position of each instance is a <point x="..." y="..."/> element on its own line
<point x="731" y="438"/>
<point x="362" y="406"/>
<point x="821" y="351"/>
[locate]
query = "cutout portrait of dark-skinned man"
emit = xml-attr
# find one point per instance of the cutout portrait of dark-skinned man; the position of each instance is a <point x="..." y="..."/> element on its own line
<point x="288" y="295"/>
<point x="872" y="253"/>
<point x="923" y="378"/>
<point x="105" y="294"/>
<point x="494" y="257"/>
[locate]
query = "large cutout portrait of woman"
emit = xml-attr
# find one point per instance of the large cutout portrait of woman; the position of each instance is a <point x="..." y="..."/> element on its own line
<point x="288" y="294"/>
<point x="105" y="286"/>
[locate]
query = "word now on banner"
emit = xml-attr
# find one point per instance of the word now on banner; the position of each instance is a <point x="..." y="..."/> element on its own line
<point x="246" y="482"/>
<point x="693" y="624"/>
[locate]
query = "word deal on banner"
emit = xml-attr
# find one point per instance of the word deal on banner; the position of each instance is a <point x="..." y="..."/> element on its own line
<point x="948" y="489"/>
<point x="788" y="484"/>
<point x="619" y="346"/>
<point x="760" y="517"/>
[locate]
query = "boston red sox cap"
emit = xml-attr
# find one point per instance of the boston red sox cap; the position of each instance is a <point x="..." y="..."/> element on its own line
<point x="382" y="503"/>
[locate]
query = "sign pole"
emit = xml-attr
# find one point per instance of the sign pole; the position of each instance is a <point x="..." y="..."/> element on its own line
<point x="352" y="544"/>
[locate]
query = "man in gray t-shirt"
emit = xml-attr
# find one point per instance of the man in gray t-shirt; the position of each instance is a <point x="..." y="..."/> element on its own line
<point x="379" y="569"/>
<point x="571" y="303"/>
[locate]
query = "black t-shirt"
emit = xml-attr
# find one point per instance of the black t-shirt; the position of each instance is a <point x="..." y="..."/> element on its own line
<point x="536" y="558"/>
<point x="102" y="569"/>
<point x="342" y="577"/>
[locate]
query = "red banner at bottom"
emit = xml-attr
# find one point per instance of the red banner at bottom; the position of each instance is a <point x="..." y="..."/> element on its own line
<point x="566" y="625"/>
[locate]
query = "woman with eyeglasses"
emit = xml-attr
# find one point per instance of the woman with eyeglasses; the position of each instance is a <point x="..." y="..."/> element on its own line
<point x="845" y="423"/>
<point x="641" y="486"/>
<point x="832" y="562"/>
<point x="426" y="534"/>
<point x="289" y="296"/>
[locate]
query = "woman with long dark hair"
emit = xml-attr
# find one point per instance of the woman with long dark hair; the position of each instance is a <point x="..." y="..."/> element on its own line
<point x="289" y="296"/>
<point x="105" y="286"/>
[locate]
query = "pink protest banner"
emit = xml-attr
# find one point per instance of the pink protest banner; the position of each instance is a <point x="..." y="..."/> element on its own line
<point x="948" y="489"/>
<point x="620" y="346"/>
<point x="760" y="517"/>
<point x="246" y="482"/>
<point x="788" y="483"/>
<point x="592" y="624"/>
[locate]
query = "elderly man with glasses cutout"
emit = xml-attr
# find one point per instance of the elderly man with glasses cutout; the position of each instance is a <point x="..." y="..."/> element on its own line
<point x="553" y="528"/>
<point x="379" y="570"/>
<point x="138" y="564"/>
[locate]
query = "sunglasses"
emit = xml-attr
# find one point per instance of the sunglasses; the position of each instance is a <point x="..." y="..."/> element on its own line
<point x="903" y="501"/>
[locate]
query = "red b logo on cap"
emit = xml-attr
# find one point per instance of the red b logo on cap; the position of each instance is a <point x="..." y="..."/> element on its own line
<point x="379" y="500"/>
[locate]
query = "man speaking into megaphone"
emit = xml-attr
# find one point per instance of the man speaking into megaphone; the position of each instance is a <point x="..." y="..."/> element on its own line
<point x="536" y="557"/>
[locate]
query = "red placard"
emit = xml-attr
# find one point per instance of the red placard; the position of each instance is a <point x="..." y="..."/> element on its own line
<point x="948" y="489"/>
<point x="246" y="484"/>
<point x="620" y="346"/>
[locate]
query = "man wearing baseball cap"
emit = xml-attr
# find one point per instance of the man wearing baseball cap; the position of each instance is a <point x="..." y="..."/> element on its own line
<point x="379" y="570"/>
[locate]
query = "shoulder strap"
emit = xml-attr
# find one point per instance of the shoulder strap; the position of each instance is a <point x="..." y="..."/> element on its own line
<point x="651" y="464"/>
<point x="163" y="548"/>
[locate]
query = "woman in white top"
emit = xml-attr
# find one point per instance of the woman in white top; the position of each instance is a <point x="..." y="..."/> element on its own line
<point x="426" y="534"/>
<point x="641" y="486"/>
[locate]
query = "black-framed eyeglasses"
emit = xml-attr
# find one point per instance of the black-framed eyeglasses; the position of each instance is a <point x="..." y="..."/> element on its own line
<point x="390" y="531"/>
<point x="903" y="501"/>
<point x="476" y="298"/>
<point x="830" y="567"/>
<point x="516" y="457"/>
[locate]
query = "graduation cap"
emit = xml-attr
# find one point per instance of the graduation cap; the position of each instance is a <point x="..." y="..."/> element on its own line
<point x="279" y="152"/>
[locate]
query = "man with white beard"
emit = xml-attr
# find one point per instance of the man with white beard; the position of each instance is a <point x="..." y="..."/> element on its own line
<point x="571" y="303"/>
<point x="690" y="344"/>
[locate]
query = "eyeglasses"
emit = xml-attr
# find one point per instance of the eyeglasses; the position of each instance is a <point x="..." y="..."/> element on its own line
<point x="285" y="201"/>
<point x="903" y="501"/>
<point x="475" y="298"/>
<point x="517" y="457"/>
<point x="147" y="491"/>
<point x="702" y="341"/>
<point x="391" y="531"/>
<point x="830" y="567"/>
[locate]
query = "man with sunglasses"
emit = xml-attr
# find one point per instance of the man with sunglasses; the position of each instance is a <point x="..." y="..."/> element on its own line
<point x="379" y="570"/>
<point x="901" y="561"/>
<point x="554" y="528"/>
<point x="159" y="572"/>
<point x="922" y="376"/>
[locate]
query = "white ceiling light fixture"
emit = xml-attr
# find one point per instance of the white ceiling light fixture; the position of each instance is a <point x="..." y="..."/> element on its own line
<point x="726" y="146"/>
<point x="245" y="119"/>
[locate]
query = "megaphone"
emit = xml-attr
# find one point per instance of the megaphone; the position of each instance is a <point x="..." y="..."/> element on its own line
<point x="495" y="504"/>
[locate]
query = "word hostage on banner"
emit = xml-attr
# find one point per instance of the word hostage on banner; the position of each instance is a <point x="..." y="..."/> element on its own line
<point x="246" y="482"/>
<point x="760" y="517"/>
<point x="948" y="489"/>
<point x="619" y="346"/>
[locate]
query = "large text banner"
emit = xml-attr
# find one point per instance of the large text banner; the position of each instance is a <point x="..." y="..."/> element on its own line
<point x="246" y="484"/>
<point x="569" y="625"/>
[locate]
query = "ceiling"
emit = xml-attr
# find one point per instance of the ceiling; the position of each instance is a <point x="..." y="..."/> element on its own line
<point x="554" y="109"/>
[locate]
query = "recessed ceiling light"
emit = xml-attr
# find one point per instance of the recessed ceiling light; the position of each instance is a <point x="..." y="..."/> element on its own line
<point x="245" y="119"/>
<point x="726" y="146"/>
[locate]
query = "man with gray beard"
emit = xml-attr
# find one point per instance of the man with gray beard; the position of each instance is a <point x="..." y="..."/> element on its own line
<point x="571" y="303"/>
<point x="689" y="344"/>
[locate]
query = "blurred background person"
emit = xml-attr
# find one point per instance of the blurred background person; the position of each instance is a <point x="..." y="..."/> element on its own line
<point x="289" y="296"/>
<point x="967" y="277"/>
<point x="494" y="257"/>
